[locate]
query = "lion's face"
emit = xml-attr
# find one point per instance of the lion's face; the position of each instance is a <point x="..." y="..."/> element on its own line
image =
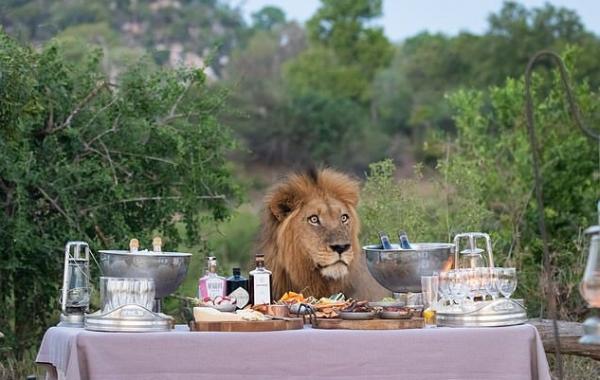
<point x="326" y="227"/>
<point x="310" y="232"/>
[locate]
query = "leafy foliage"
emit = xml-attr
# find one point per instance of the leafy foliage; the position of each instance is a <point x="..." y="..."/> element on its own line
<point x="83" y="158"/>
<point x="492" y="134"/>
<point x="428" y="210"/>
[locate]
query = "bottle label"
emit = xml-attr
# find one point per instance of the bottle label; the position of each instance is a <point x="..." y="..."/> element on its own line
<point x="212" y="287"/>
<point x="241" y="297"/>
<point x="262" y="289"/>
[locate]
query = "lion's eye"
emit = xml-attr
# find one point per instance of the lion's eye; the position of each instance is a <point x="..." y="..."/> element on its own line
<point x="345" y="218"/>
<point x="313" y="219"/>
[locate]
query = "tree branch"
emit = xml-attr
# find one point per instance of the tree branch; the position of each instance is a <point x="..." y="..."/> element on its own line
<point x="58" y="208"/>
<point x="110" y="161"/>
<point x="146" y="199"/>
<point x="144" y="156"/>
<point x="75" y="112"/>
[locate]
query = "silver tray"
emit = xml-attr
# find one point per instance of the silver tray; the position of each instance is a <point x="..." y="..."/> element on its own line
<point x="128" y="318"/>
<point x="485" y="314"/>
<point x="396" y="303"/>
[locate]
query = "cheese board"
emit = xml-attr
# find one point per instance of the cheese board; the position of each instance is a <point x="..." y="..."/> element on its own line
<point x="368" y="324"/>
<point x="248" y="326"/>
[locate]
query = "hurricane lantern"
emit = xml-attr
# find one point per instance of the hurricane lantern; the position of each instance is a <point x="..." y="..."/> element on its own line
<point x="590" y="284"/>
<point x="75" y="298"/>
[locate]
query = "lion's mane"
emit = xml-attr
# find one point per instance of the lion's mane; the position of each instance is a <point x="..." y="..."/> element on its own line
<point x="284" y="248"/>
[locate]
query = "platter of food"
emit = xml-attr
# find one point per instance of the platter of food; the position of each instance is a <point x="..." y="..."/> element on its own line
<point x="368" y="324"/>
<point x="337" y="312"/>
<point x="246" y="320"/>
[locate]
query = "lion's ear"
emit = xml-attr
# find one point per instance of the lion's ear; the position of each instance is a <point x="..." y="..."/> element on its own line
<point x="281" y="202"/>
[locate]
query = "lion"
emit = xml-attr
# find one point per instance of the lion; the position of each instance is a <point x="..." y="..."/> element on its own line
<point x="309" y="237"/>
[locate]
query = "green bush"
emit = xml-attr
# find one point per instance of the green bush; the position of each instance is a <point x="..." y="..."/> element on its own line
<point x="84" y="158"/>
<point x="431" y="210"/>
<point x="492" y="151"/>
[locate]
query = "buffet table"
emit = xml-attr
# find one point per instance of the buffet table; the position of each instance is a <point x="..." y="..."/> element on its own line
<point x="441" y="353"/>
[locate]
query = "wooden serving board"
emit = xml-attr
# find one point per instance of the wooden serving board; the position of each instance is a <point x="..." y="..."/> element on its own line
<point x="368" y="324"/>
<point x="249" y="326"/>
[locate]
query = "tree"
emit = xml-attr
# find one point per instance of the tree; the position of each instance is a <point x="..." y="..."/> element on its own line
<point x="342" y="27"/>
<point x="268" y="18"/>
<point x="83" y="158"/>
<point x="345" y="53"/>
<point x="260" y="96"/>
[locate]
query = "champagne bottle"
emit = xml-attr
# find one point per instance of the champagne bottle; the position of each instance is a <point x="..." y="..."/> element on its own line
<point x="404" y="242"/>
<point x="385" y="240"/>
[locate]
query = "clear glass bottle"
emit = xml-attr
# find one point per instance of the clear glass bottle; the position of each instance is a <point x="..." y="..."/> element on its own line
<point x="260" y="283"/>
<point x="237" y="287"/>
<point x="211" y="285"/>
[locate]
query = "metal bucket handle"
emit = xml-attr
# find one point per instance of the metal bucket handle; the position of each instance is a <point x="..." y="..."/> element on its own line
<point x="473" y="236"/>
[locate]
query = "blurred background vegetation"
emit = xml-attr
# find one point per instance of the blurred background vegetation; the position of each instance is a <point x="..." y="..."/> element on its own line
<point x="129" y="118"/>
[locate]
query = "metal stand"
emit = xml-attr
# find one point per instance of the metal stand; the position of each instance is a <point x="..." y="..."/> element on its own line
<point x="128" y="318"/>
<point x="71" y="320"/>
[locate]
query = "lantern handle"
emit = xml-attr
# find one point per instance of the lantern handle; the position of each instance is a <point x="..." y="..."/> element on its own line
<point x="473" y="236"/>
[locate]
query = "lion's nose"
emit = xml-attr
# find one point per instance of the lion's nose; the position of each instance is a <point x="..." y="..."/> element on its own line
<point x="340" y="248"/>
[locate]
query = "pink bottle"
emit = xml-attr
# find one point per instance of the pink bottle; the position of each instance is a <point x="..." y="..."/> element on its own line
<point x="211" y="285"/>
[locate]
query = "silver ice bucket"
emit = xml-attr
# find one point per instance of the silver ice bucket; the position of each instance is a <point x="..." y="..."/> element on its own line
<point x="400" y="270"/>
<point x="167" y="269"/>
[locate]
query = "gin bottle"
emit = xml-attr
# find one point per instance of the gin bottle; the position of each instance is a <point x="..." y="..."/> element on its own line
<point x="211" y="285"/>
<point x="260" y="283"/>
<point x="237" y="287"/>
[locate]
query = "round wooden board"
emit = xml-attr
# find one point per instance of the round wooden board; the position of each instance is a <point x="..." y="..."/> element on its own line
<point x="249" y="326"/>
<point x="368" y="324"/>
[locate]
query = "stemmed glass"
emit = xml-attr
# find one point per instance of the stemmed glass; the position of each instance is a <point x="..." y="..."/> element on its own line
<point x="458" y="285"/>
<point x="490" y="281"/>
<point x="473" y="282"/>
<point x="507" y="281"/>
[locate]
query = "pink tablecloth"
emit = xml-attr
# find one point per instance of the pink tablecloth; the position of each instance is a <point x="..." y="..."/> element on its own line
<point x="443" y="353"/>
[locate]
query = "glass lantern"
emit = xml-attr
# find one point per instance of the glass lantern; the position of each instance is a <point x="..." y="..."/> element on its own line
<point x="590" y="285"/>
<point x="75" y="297"/>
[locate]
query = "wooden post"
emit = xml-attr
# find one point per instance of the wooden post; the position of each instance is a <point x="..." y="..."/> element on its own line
<point x="569" y="333"/>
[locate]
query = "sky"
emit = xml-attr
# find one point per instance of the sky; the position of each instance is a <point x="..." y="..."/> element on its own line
<point x="405" y="18"/>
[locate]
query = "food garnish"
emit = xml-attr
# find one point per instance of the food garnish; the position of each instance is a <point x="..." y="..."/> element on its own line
<point x="251" y="315"/>
<point x="358" y="307"/>
<point x="290" y="298"/>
